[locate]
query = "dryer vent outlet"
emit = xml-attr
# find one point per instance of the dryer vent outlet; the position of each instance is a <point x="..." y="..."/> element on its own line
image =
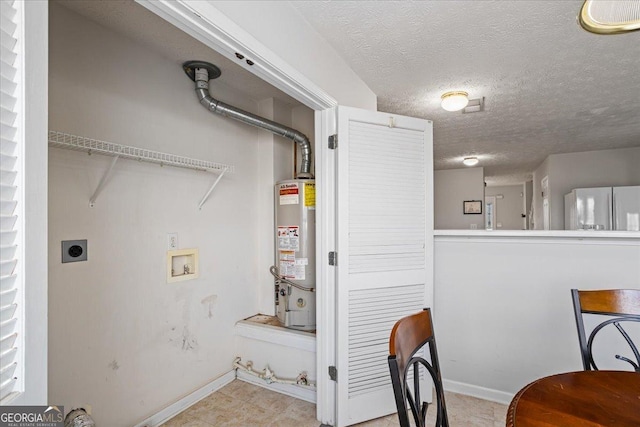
<point x="74" y="250"/>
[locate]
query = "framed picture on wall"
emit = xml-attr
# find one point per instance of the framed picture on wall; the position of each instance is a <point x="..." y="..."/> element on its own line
<point x="472" y="207"/>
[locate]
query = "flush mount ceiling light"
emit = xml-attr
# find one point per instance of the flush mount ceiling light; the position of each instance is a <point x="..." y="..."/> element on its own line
<point x="610" y="16"/>
<point x="470" y="161"/>
<point x="454" y="101"/>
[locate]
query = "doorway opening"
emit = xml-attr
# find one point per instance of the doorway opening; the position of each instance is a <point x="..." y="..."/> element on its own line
<point x="490" y="212"/>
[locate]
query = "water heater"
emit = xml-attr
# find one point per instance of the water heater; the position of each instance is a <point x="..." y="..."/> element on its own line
<point x="295" y="253"/>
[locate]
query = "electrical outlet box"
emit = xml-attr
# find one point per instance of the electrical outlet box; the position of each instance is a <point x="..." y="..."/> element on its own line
<point x="182" y="265"/>
<point x="74" y="250"/>
<point x="172" y="241"/>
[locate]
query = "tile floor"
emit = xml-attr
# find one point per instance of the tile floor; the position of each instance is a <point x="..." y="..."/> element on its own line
<point x="240" y="404"/>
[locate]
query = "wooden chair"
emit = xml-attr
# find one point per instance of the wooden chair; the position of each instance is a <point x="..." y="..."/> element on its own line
<point x="408" y="336"/>
<point x="621" y="305"/>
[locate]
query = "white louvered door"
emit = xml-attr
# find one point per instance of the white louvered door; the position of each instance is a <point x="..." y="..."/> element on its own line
<point x="385" y="249"/>
<point x="10" y="291"/>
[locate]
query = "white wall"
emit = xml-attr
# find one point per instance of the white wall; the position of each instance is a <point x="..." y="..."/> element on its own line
<point x="451" y="188"/>
<point x="503" y="309"/>
<point x="279" y="27"/>
<point x="509" y="207"/>
<point x="121" y="339"/>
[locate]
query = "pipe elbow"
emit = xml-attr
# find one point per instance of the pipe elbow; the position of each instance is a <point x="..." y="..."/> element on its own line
<point x="206" y="100"/>
<point x="215" y="106"/>
<point x="301" y="139"/>
<point x="305" y="144"/>
<point x="305" y="151"/>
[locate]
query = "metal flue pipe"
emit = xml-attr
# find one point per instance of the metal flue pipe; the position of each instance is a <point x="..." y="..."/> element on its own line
<point x="202" y="72"/>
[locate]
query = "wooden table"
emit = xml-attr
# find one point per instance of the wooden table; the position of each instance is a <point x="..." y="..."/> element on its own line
<point x="585" y="399"/>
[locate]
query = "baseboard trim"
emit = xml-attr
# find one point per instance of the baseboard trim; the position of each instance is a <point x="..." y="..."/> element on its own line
<point x="302" y="393"/>
<point x="187" y="401"/>
<point x="477" y="391"/>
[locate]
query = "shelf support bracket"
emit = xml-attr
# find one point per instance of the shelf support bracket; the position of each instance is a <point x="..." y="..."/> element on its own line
<point x="103" y="181"/>
<point x="206" y="196"/>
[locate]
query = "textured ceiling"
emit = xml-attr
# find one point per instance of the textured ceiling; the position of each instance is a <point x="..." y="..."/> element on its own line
<point x="550" y="87"/>
<point x="144" y="27"/>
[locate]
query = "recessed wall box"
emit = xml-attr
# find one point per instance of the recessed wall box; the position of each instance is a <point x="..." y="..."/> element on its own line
<point x="182" y="264"/>
<point x="74" y="250"/>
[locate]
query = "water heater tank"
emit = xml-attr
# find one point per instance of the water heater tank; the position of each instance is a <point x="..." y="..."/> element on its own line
<point x="295" y="252"/>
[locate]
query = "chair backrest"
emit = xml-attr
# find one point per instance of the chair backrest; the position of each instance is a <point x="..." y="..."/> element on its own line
<point x="409" y="335"/>
<point x="620" y="305"/>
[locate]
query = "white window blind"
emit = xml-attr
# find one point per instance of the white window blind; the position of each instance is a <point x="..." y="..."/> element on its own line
<point x="10" y="194"/>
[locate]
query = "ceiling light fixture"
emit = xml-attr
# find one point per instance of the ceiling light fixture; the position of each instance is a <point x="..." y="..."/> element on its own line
<point x="610" y="17"/>
<point x="454" y="101"/>
<point x="470" y="161"/>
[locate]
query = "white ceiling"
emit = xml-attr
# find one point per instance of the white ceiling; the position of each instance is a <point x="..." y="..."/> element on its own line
<point x="144" y="27"/>
<point x="550" y="87"/>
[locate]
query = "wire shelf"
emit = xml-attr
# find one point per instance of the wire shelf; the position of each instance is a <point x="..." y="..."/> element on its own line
<point x="117" y="151"/>
<point x="89" y="145"/>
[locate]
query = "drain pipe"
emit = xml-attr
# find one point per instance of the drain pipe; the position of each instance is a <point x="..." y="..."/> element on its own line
<point x="201" y="72"/>
<point x="79" y="418"/>
<point x="269" y="377"/>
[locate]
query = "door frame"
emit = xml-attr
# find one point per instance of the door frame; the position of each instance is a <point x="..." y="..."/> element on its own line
<point x="206" y="23"/>
<point x="491" y="199"/>
<point x="546" y="213"/>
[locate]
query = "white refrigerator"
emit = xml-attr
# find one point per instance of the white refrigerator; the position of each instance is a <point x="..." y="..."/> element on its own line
<point x="603" y="208"/>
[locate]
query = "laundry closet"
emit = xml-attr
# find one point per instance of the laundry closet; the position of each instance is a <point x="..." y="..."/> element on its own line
<point x="126" y="341"/>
